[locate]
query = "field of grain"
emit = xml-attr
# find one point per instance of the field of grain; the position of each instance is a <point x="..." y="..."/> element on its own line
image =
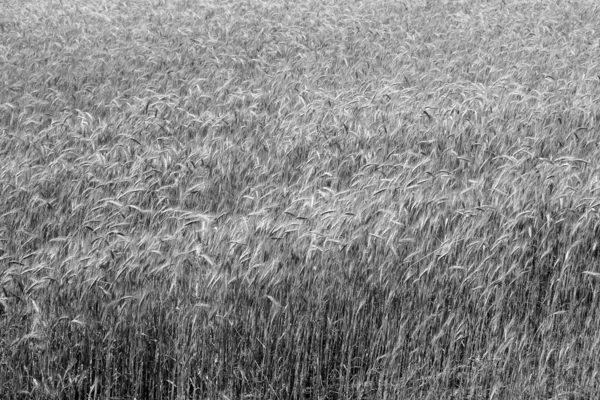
<point x="319" y="199"/>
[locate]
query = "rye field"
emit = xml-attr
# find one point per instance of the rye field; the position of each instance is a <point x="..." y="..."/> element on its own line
<point x="318" y="199"/>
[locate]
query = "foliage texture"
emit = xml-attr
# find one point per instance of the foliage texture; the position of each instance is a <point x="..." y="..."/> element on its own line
<point x="323" y="199"/>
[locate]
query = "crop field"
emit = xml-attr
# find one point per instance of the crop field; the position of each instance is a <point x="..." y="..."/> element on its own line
<point x="318" y="199"/>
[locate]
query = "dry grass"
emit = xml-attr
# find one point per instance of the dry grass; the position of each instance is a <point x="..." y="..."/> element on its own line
<point x="286" y="200"/>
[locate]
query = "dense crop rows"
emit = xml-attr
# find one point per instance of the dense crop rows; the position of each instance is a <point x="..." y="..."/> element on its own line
<point x="299" y="199"/>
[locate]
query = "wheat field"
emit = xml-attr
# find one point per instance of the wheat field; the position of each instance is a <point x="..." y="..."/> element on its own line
<point x="319" y="199"/>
